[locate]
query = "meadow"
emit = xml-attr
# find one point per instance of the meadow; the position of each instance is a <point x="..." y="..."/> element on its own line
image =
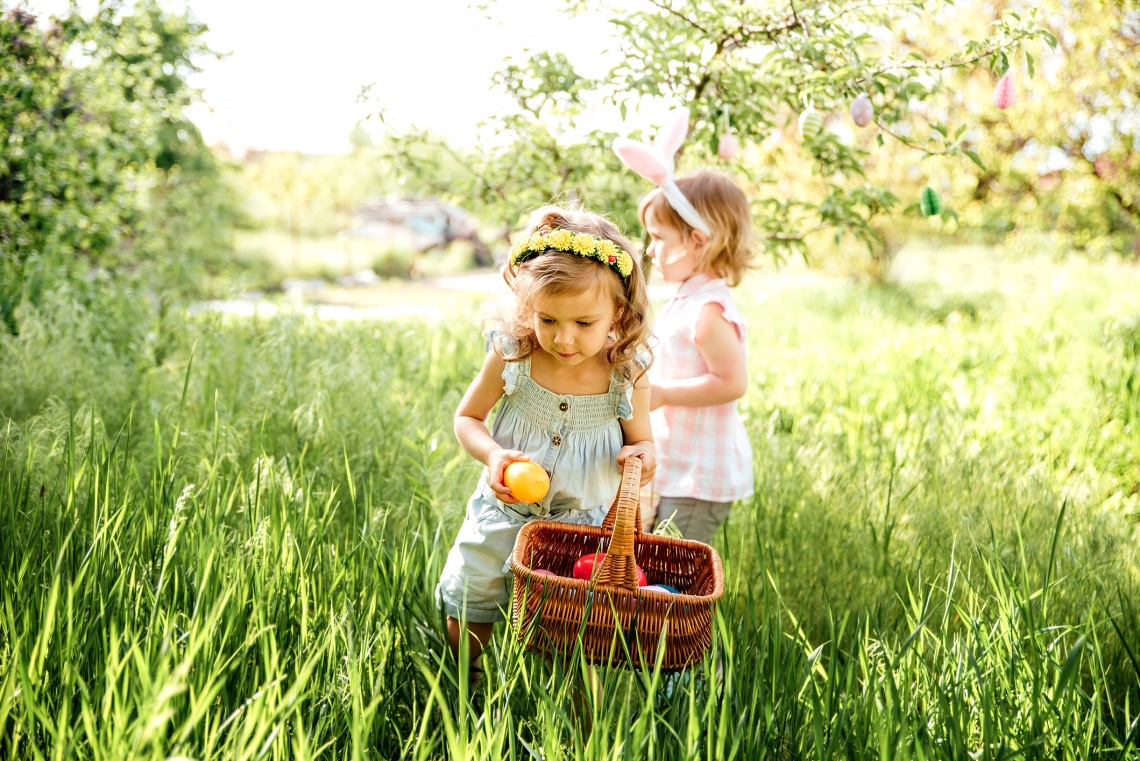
<point x="221" y="536"/>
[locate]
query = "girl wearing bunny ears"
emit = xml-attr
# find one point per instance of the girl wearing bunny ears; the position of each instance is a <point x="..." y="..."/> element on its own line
<point x="700" y="233"/>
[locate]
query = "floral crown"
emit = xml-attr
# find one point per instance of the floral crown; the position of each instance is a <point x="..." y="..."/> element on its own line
<point x="579" y="244"/>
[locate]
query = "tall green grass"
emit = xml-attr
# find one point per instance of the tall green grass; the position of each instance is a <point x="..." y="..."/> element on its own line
<point x="230" y="551"/>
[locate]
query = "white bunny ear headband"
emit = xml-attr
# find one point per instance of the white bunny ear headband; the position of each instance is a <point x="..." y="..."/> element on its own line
<point x="655" y="163"/>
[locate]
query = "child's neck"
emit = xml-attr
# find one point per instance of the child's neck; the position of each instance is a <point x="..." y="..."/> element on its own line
<point x="590" y="377"/>
<point x="697" y="275"/>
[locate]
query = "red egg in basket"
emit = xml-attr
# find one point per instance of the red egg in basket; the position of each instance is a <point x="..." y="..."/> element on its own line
<point x="586" y="565"/>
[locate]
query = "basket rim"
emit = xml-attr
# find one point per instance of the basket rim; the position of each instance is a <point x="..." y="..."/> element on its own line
<point x="519" y="567"/>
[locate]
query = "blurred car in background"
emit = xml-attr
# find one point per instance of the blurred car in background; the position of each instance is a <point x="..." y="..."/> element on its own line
<point x="417" y="224"/>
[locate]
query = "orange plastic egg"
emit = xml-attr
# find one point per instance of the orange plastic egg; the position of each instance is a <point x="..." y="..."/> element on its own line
<point x="527" y="481"/>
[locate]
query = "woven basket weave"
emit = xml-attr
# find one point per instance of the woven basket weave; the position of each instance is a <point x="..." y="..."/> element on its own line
<point x="616" y="621"/>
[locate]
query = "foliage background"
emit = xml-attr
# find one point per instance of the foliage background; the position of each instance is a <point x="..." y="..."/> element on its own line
<point x="750" y="68"/>
<point x="102" y="178"/>
<point x="222" y="536"/>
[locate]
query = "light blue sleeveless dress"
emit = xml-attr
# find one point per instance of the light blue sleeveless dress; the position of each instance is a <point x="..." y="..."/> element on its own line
<point x="576" y="439"/>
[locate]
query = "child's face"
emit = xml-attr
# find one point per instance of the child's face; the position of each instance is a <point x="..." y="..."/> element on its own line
<point x="574" y="328"/>
<point x="676" y="255"/>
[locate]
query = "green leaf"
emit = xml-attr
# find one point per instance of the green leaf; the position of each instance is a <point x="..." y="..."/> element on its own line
<point x="1069" y="670"/>
<point x="973" y="156"/>
<point x="1029" y="63"/>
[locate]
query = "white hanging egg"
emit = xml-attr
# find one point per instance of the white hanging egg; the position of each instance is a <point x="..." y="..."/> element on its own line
<point x="862" y="112"/>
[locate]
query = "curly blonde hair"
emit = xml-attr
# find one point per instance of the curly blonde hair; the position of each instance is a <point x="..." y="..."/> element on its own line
<point x="723" y="205"/>
<point x="560" y="273"/>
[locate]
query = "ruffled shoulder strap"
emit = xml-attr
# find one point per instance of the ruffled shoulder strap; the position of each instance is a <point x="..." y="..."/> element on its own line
<point x="625" y="392"/>
<point x="731" y="313"/>
<point x="509" y="347"/>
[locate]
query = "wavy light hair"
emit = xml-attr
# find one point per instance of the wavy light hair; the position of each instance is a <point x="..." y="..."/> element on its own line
<point x="560" y="273"/>
<point x="723" y="205"/>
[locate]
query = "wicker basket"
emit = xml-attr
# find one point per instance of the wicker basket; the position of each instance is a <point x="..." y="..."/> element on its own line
<point x="551" y="613"/>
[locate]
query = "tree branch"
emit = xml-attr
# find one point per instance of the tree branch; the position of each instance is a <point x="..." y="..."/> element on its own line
<point x="668" y="9"/>
<point x="907" y="141"/>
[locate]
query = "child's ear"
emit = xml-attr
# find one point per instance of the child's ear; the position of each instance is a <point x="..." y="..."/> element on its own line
<point x="700" y="241"/>
<point x="617" y="318"/>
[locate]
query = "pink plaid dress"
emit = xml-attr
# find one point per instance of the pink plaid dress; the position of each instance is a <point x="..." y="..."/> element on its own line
<point x="702" y="452"/>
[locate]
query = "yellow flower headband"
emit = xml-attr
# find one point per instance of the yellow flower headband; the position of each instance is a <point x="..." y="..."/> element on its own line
<point x="580" y="244"/>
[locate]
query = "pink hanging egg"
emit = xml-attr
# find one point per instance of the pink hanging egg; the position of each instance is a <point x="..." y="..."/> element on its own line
<point x="728" y="147"/>
<point x="862" y="112"/>
<point x="1004" y="94"/>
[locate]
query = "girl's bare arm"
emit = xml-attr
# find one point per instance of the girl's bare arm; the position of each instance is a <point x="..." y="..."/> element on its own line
<point x="638" y="434"/>
<point x="727" y="376"/>
<point x="471" y="424"/>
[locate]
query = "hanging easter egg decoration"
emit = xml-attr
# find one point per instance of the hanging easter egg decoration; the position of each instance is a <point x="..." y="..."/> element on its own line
<point x="811" y="123"/>
<point x="862" y="112"/>
<point x="1004" y="94"/>
<point x="930" y="203"/>
<point x="728" y="147"/>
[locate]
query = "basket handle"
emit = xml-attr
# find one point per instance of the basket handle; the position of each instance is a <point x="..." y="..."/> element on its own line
<point x="623" y="521"/>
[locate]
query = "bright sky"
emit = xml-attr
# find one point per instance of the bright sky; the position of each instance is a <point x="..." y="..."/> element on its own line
<point x="295" y="69"/>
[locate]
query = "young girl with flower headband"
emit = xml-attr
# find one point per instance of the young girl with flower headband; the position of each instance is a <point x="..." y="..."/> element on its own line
<point x="700" y="233"/>
<point x="566" y="368"/>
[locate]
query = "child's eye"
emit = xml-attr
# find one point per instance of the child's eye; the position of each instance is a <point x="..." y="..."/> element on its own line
<point x="585" y="323"/>
<point x="546" y="320"/>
